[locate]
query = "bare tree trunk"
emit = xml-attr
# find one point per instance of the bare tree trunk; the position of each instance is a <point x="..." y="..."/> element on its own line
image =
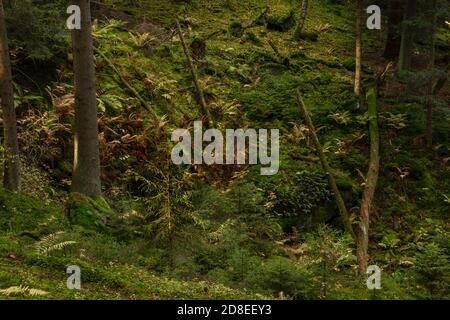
<point x="406" y="47"/>
<point x="326" y="168"/>
<point x="358" y="49"/>
<point x="201" y="96"/>
<point x="370" y="183"/>
<point x="304" y="12"/>
<point x="429" y="130"/>
<point x="11" y="173"/>
<point x="86" y="167"/>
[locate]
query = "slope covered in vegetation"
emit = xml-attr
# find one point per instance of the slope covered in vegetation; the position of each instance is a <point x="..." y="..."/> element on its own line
<point x="223" y="232"/>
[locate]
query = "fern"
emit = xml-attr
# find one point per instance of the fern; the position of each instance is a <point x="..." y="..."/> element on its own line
<point x="22" y="290"/>
<point x="52" y="242"/>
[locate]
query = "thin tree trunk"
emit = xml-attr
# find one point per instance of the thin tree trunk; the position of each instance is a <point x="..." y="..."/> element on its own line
<point x="429" y="130"/>
<point x="11" y="170"/>
<point x="395" y="16"/>
<point x="370" y="183"/>
<point x="406" y="46"/>
<point x="201" y="96"/>
<point x="358" y="49"/>
<point x="304" y="12"/>
<point x="86" y="167"/>
<point x="326" y="168"/>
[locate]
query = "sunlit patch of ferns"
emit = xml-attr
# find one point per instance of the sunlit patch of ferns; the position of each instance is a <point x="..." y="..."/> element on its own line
<point x="225" y="108"/>
<point x="141" y="40"/>
<point x="343" y="118"/>
<point x="22" y="290"/>
<point x="52" y="242"/>
<point x="41" y="136"/>
<point x="321" y="28"/>
<point x="395" y="121"/>
<point x="162" y="86"/>
<point x="106" y="28"/>
<point x="299" y="133"/>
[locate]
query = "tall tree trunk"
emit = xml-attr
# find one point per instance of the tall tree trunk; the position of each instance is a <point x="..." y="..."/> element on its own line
<point x="86" y="166"/>
<point x="303" y="13"/>
<point x="11" y="173"/>
<point x="370" y="183"/>
<point x="407" y="41"/>
<point x="358" y="48"/>
<point x="395" y="16"/>
<point x="429" y="130"/>
<point x="326" y="167"/>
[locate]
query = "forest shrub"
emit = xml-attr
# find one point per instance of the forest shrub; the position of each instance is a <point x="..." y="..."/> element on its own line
<point x="433" y="271"/>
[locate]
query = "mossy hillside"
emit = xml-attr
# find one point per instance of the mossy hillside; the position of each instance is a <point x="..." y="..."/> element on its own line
<point x="246" y="85"/>
<point x="21" y="264"/>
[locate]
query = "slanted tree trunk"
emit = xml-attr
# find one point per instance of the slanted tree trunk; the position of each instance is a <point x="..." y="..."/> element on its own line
<point x="326" y="167"/>
<point x="86" y="166"/>
<point x="395" y="16"/>
<point x="370" y="183"/>
<point x="407" y="41"/>
<point x="358" y="48"/>
<point x="201" y="97"/>
<point x="429" y="130"/>
<point x="11" y="170"/>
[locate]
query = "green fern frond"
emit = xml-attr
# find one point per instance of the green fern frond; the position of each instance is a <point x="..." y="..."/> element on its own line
<point x="22" y="290"/>
<point x="52" y="242"/>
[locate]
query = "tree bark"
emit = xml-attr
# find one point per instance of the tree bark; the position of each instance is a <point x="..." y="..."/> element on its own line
<point x="86" y="166"/>
<point x="395" y="16"/>
<point x="429" y="107"/>
<point x="407" y="41"/>
<point x="201" y="96"/>
<point x="370" y="183"/>
<point x="11" y="170"/>
<point x="304" y="12"/>
<point x="358" y="48"/>
<point x="326" y="167"/>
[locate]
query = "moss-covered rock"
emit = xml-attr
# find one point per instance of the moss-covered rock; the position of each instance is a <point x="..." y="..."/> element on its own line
<point x="90" y="213"/>
<point x="280" y="19"/>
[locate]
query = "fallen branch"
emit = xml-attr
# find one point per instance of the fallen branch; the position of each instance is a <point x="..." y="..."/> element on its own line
<point x="201" y="96"/>
<point x="283" y="60"/>
<point x="326" y="167"/>
<point x="144" y="103"/>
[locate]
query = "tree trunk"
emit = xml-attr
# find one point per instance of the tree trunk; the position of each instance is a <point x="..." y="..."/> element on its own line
<point x="86" y="166"/>
<point x="407" y="41"/>
<point x="358" y="48"/>
<point x="11" y="173"/>
<point x="208" y="121"/>
<point x="370" y="183"/>
<point x="429" y="130"/>
<point x="326" y="168"/>
<point x="304" y="12"/>
<point x="395" y="16"/>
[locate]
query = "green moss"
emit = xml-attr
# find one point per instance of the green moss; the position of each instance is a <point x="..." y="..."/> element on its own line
<point x="90" y="213"/>
<point x="280" y="18"/>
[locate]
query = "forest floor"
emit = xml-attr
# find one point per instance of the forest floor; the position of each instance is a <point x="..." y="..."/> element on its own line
<point x="222" y="248"/>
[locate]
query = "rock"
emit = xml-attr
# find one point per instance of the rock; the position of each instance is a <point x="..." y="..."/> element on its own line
<point x="280" y="19"/>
